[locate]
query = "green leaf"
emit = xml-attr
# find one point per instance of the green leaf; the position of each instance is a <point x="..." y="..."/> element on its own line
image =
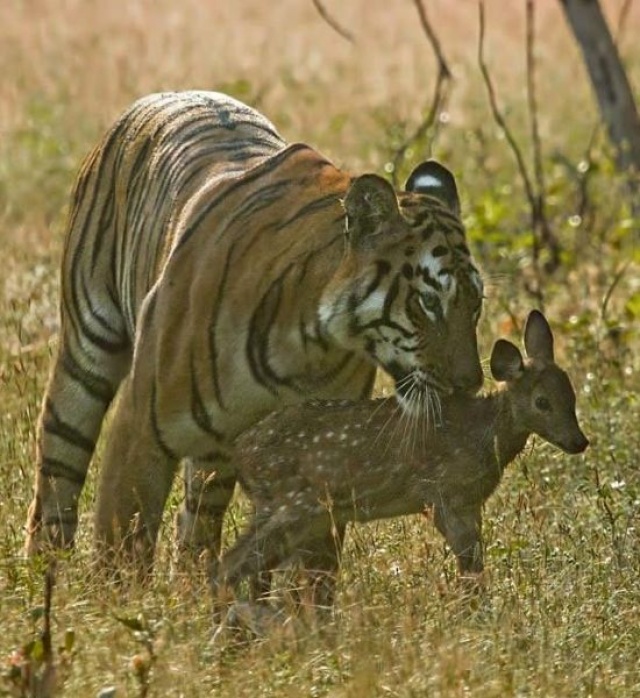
<point x="69" y="639"/>
<point x="136" y="624"/>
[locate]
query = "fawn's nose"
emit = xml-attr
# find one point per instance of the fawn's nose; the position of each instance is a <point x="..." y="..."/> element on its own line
<point x="578" y="444"/>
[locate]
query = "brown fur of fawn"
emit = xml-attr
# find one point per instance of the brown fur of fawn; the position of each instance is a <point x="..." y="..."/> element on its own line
<point x="311" y="469"/>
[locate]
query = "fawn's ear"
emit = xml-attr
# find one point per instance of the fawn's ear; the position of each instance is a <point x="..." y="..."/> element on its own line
<point x="506" y="361"/>
<point x="538" y="338"/>
<point x="370" y="202"/>
<point x="434" y="179"/>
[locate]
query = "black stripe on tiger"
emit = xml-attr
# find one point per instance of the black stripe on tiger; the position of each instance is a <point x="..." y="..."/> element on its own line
<point x="383" y="268"/>
<point x="98" y="388"/>
<point x="198" y="407"/>
<point x="54" y="468"/>
<point x="155" y="425"/>
<point x="53" y="424"/>
<point x="257" y="347"/>
<point x="257" y="173"/>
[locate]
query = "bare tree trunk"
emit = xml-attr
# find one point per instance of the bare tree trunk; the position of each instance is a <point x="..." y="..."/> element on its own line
<point x="608" y="78"/>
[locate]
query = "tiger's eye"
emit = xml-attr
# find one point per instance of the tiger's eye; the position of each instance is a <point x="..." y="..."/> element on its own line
<point x="543" y="404"/>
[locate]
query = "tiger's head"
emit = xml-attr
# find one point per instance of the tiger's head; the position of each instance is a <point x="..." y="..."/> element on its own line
<point x="407" y="293"/>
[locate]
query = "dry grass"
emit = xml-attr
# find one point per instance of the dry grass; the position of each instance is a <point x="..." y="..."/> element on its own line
<point x="561" y="615"/>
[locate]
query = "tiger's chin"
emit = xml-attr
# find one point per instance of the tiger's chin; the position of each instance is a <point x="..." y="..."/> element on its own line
<point x="420" y="396"/>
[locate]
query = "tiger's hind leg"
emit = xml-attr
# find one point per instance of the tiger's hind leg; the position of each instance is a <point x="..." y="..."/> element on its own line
<point x="209" y="486"/>
<point x="83" y="381"/>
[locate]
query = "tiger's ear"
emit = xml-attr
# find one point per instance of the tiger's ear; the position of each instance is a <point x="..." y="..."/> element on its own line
<point x="434" y="179"/>
<point x="506" y="361"/>
<point x="370" y="202"/>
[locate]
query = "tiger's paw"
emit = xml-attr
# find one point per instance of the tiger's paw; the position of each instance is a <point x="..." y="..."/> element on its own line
<point x="42" y="539"/>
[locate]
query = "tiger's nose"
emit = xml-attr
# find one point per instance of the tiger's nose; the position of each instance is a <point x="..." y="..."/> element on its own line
<point x="469" y="381"/>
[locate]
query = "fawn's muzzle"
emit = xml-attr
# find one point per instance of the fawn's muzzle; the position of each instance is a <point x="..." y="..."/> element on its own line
<point x="577" y="445"/>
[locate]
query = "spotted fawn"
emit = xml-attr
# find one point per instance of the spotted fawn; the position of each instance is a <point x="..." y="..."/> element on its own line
<point x="311" y="469"/>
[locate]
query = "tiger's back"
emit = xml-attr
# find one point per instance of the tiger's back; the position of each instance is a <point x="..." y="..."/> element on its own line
<point x="133" y="186"/>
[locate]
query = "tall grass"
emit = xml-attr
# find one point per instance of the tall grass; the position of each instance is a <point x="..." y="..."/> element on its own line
<point x="561" y="614"/>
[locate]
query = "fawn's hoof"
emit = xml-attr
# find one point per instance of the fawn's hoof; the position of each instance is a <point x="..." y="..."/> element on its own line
<point x="245" y="622"/>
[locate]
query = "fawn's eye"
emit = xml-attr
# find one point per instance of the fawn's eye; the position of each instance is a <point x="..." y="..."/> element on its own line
<point x="543" y="404"/>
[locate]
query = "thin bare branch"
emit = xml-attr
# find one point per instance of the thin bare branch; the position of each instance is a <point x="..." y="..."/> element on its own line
<point x="433" y="39"/>
<point x="539" y="219"/>
<point x="622" y="20"/>
<point x="531" y="96"/>
<point x="322" y="11"/>
<point x="515" y="149"/>
<point x="440" y="93"/>
<point x="497" y="114"/>
<point x="617" y="278"/>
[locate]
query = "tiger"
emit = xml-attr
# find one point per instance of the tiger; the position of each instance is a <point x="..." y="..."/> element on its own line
<point x="211" y="273"/>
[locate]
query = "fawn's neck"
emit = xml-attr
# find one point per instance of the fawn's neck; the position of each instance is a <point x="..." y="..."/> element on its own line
<point x="509" y="438"/>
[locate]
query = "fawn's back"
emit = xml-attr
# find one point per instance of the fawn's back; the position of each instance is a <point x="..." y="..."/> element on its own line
<point x="372" y="448"/>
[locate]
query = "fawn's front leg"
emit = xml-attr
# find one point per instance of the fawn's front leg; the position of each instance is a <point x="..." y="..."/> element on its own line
<point x="462" y="529"/>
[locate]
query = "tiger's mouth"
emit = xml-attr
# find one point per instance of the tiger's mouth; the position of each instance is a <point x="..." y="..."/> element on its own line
<point x="409" y="382"/>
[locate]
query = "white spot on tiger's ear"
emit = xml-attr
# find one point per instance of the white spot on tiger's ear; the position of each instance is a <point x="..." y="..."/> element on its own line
<point x="427" y="181"/>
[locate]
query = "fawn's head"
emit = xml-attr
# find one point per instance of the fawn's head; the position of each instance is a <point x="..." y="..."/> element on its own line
<point x="540" y="392"/>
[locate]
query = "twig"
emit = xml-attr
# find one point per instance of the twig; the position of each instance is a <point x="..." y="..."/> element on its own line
<point x="622" y="20"/>
<point x="322" y="11"/>
<point x="440" y="93"/>
<point x="531" y="96"/>
<point x="515" y="149"/>
<point x="612" y="287"/>
<point x="47" y="682"/>
<point x="497" y="114"/>
<point x="539" y="220"/>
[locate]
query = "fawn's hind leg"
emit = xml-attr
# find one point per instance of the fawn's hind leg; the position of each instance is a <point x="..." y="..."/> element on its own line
<point x="322" y="563"/>
<point x="271" y="540"/>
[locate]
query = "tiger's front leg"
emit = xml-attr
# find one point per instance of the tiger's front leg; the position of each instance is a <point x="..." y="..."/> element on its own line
<point x="136" y="477"/>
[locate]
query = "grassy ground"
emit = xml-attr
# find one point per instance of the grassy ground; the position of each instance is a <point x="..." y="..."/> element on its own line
<point x="562" y="611"/>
